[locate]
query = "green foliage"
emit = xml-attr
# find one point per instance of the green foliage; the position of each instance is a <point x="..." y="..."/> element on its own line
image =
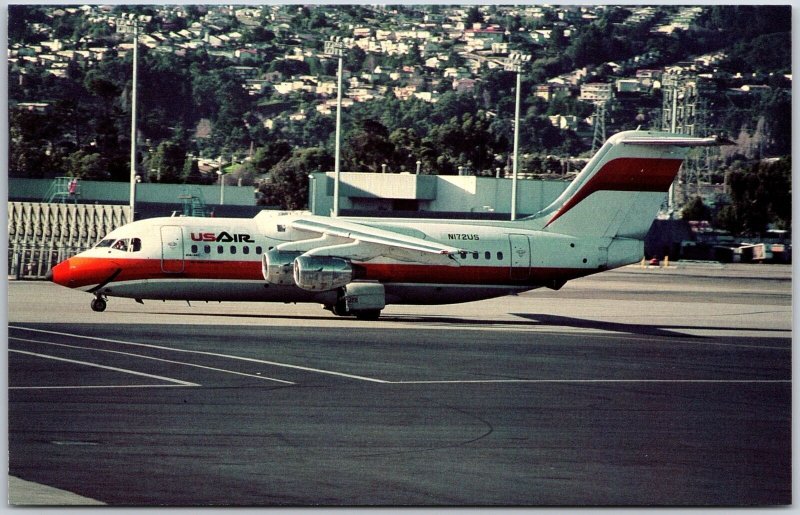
<point x="760" y="195"/>
<point x="88" y="166"/>
<point x="695" y="210"/>
<point x="287" y="187"/>
<point x="763" y="54"/>
<point x="167" y="163"/>
<point x="474" y="16"/>
<point x="191" y="171"/>
<point x="367" y="148"/>
<point x="86" y="130"/>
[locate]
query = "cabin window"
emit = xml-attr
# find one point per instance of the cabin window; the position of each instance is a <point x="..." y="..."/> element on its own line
<point x="488" y="255"/>
<point x="258" y="250"/>
<point x="121" y="244"/>
<point x="194" y="249"/>
<point x="463" y="255"/>
<point x="233" y="249"/>
<point x="246" y="249"/>
<point x="220" y="249"/>
<point x="475" y="255"/>
<point x="136" y="244"/>
<point x="500" y="256"/>
<point x="207" y="249"/>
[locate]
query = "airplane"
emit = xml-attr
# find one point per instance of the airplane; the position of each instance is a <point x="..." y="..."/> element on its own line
<point x="357" y="266"/>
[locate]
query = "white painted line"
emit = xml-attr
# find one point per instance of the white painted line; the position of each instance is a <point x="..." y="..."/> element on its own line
<point x="115" y="369"/>
<point x="684" y="335"/>
<point x="95" y="387"/>
<point x="203" y="353"/>
<point x="265" y="378"/>
<point x="595" y="381"/>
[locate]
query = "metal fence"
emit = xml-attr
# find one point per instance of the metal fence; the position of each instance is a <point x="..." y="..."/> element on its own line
<point x="34" y="262"/>
<point x="41" y="234"/>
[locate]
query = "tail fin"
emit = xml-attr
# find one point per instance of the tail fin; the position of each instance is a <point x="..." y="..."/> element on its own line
<point x="619" y="191"/>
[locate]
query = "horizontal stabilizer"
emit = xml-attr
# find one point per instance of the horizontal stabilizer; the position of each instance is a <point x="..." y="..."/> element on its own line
<point x="712" y="141"/>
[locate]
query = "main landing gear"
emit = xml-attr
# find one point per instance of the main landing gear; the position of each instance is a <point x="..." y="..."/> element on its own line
<point x="340" y="309"/>
<point x="99" y="304"/>
<point x="362" y="300"/>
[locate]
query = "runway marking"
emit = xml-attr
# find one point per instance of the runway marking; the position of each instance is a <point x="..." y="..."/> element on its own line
<point x="594" y="381"/>
<point x="686" y="333"/>
<point x="99" y="386"/>
<point x="155" y="359"/>
<point x="215" y="354"/>
<point x="382" y="381"/>
<point x="608" y="334"/>
<point x="115" y="369"/>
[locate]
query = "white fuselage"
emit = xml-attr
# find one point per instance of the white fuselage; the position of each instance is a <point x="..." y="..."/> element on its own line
<point x="220" y="259"/>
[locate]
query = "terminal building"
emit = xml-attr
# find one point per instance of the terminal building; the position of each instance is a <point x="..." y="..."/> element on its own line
<point x="429" y="196"/>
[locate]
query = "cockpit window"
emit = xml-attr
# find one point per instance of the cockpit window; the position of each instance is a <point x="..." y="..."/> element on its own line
<point x="121" y="245"/>
<point x="104" y="243"/>
<point x="136" y="244"/>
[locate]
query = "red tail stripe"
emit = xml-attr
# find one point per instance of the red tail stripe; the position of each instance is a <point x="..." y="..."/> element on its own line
<point x="626" y="174"/>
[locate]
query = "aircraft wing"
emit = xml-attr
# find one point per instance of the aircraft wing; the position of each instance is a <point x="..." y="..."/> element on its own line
<point x="352" y="240"/>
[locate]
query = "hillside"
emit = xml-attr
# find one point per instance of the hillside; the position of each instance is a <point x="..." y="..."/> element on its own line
<point x="252" y="85"/>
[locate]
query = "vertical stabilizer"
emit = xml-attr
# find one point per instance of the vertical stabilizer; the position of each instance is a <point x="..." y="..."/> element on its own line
<point x="619" y="191"/>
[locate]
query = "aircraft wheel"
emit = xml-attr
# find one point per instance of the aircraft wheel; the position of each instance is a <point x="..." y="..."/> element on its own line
<point x="98" y="304"/>
<point x="370" y="314"/>
<point x="340" y="309"/>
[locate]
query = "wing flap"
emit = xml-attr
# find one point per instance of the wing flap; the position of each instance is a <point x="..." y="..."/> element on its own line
<point x="364" y="233"/>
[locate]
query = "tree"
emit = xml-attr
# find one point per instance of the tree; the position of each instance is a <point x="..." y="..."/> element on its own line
<point x="191" y="172"/>
<point x="761" y="196"/>
<point x="368" y="147"/>
<point x="728" y="219"/>
<point x="408" y="149"/>
<point x="87" y="166"/>
<point x="287" y="186"/>
<point x="695" y="210"/>
<point x="474" y="16"/>
<point x="167" y="163"/>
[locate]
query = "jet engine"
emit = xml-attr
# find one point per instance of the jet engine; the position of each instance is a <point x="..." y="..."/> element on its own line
<point x="321" y="273"/>
<point x="277" y="266"/>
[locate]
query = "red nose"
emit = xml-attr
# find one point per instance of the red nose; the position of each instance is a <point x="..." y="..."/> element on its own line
<point x="59" y="274"/>
<point x="76" y="272"/>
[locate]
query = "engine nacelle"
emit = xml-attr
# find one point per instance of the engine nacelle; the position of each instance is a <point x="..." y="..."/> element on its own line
<point x="321" y="273"/>
<point x="277" y="266"/>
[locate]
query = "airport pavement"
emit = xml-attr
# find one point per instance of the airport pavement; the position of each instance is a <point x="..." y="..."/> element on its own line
<point x="637" y="387"/>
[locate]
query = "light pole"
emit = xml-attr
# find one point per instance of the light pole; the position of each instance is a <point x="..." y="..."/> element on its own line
<point x="514" y="64"/>
<point x="221" y="186"/>
<point x="132" y="27"/>
<point x="335" y="47"/>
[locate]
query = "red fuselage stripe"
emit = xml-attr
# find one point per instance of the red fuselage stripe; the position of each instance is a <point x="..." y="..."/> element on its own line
<point x="83" y="271"/>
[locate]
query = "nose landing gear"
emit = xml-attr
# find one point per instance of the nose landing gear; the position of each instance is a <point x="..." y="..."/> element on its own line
<point x="98" y="304"/>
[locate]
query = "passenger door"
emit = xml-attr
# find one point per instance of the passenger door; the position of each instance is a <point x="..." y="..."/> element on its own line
<point x="520" y="257"/>
<point x="171" y="249"/>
